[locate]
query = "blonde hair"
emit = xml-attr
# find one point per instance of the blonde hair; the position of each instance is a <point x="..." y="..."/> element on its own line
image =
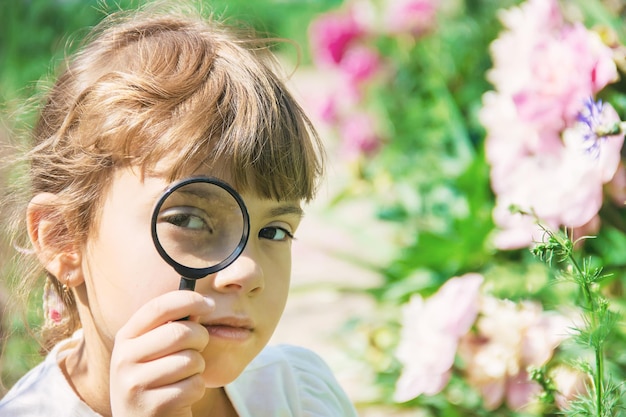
<point x="159" y="84"/>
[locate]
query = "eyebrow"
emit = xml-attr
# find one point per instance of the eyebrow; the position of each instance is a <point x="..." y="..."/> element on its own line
<point x="286" y="209"/>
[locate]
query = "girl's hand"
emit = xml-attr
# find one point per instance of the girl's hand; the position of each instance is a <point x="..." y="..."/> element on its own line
<point x="156" y="365"/>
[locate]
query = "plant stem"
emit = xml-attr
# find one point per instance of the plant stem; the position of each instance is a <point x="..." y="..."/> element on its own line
<point x="592" y="307"/>
<point x="599" y="380"/>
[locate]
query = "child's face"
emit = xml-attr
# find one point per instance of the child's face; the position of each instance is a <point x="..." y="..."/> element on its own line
<point x="123" y="271"/>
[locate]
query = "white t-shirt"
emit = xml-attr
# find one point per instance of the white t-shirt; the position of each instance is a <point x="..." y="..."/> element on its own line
<point x="282" y="381"/>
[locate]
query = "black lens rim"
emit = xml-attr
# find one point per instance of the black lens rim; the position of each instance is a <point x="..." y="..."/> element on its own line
<point x="197" y="273"/>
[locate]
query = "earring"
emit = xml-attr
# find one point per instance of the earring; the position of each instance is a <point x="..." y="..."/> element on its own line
<point x="65" y="287"/>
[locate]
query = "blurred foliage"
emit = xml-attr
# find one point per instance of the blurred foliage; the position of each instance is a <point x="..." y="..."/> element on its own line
<point x="36" y="33"/>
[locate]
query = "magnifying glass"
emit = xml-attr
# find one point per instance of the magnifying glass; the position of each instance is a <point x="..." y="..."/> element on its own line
<point x="200" y="225"/>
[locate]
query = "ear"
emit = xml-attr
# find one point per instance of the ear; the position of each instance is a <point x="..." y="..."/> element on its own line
<point x="48" y="232"/>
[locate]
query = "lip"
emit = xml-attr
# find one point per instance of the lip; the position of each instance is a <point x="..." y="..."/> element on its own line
<point x="230" y="328"/>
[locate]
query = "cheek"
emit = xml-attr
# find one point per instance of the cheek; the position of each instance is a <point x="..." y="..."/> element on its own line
<point x="277" y="272"/>
<point x="124" y="271"/>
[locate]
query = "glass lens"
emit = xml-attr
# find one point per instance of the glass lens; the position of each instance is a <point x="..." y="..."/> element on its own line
<point x="199" y="225"/>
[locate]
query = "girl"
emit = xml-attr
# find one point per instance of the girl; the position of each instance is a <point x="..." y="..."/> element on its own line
<point x="153" y="97"/>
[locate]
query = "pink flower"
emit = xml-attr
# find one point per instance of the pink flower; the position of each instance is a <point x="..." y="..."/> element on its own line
<point x="562" y="71"/>
<point x="563" y="188"/>
<point x="331" y="34"/>
<point x="410" y="16"/>
<point x="430" y="333"/>
<point x="358" y="132"/>
<point x="560" y="190"/>
<point x="547" y="66"/>
<point x="359" y="63"/>
<point x="544" y="70"/>
<point x="508" y="137"/>
<point x="327" y="109"/>
<point x="510" y="337"/>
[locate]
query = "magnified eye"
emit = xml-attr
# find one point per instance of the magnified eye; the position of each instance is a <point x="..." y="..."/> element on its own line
<point x="275" y="233"/>
<point x="187" y="217"/>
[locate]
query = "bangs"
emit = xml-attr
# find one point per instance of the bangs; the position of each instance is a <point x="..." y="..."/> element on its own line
<point x="253" y="129"/>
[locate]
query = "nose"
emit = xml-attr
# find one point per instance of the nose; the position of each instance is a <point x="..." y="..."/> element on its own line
<point x="243" y="275"/>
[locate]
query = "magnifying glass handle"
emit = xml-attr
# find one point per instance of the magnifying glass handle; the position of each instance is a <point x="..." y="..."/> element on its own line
<point x="187" y="284"/>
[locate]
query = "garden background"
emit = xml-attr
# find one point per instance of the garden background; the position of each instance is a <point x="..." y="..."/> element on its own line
<point x="466" y="255"/>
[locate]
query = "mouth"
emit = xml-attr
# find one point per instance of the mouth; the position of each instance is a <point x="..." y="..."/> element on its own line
<point x="230" y="328"/>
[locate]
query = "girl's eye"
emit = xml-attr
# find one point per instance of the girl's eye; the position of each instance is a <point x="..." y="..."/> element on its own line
<point x="186" y="218"/>
<point x="275" y="233"/>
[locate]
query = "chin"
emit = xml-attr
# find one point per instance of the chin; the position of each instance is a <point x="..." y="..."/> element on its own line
<point x="220" y="377"/>
<point x="223" y="368"/>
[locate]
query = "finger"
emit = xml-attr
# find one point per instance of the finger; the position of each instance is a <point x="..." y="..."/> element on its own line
<point x="164" y="340"/>
<point x="170" y="400"/>
<point x="171" y="369"/>
<point x="168" y="307"/>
